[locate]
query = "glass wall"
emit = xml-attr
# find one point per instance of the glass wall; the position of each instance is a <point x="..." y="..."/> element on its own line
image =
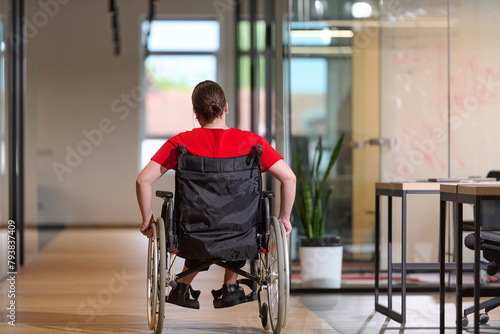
<point x="414" y="89"/>
<point x="334" y="78"/>
<point x="413" y="86"/>
<point x="474" y="85"/>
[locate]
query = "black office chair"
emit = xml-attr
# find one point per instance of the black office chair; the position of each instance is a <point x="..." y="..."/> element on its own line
<point x="490" y="246"/>
<point x="495" y="174"/>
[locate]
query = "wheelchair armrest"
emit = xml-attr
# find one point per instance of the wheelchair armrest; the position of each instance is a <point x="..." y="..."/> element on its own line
<point x="164" y="194"/>
<point x="268" y="194"/>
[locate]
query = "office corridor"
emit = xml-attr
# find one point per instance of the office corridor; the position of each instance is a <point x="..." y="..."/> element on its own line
<point x="94" y="281"/>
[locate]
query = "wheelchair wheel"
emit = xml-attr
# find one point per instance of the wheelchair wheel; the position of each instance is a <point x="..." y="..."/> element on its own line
<point x="276" y="277"/>
<point x="287" y="273"/>
<point x="264" y="316"/>
<point x="156" y="277"/>
<point x="152" y="276"/>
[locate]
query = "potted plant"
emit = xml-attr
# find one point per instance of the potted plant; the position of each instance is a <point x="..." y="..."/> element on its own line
<point x="320" y="255"/>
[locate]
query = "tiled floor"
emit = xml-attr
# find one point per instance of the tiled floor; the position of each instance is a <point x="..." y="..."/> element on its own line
<point x="40" y="284"/>
<point x="351" y="313"/>
<point x="94" y="281"/>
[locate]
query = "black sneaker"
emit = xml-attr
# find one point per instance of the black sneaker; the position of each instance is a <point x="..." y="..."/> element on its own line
<point x="232" y="294"/>
<point x="180" y="296"/>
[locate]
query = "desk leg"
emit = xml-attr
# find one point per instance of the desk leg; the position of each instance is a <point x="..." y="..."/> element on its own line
<point x="403" y="258"/>
<point x="389" y="254"/>
<point x="377" y="248"/>
<point x="458" y="213"/>
<point x="442" y="232"/>
<point x="386" y="310"/>
<point x="477" y="262"/>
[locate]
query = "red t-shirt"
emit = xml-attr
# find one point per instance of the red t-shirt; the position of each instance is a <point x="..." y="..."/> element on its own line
<point x="216" y="143"/>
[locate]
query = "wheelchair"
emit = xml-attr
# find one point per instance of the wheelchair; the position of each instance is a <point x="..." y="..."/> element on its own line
<point x="218" y="187"/>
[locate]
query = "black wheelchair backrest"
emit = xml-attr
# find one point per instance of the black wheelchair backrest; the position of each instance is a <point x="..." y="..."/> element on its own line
<point x="218" y="205"/>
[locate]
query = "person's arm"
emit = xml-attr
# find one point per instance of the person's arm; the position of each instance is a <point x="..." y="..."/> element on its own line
<point x="281" y="171"/>
<point x="152" y="172"/>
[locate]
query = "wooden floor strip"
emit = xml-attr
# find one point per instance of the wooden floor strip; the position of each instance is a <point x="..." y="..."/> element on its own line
<point x="94" y="281"/>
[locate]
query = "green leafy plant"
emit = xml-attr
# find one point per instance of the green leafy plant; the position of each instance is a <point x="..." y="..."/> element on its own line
<point x="312" y="197"/>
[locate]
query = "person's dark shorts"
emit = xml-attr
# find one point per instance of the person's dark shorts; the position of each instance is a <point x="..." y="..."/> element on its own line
<point x="190" y="263"/>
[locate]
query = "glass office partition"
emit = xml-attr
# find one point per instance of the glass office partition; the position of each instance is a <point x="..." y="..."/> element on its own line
<point x="474" y="86"/>
<point x="332" y="66"/>
<point x="414" y="89"/>
<point x="413" y="128"/>
<point x="474" y="83"/>
<point x="413" y="86"/>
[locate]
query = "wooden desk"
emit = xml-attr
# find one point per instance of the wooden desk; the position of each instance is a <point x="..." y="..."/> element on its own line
<point x="397" y="189"/>
<point x="459" y="194"/>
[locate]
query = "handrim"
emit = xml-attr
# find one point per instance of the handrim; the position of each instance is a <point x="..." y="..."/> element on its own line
<point x="161" y="282"/>
<point x="152" y="276"/>
<point x="276" y="277"/>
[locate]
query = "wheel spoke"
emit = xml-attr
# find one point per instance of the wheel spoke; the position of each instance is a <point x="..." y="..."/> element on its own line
<point x="273" y="262"/>
<point x="275" y="297"/>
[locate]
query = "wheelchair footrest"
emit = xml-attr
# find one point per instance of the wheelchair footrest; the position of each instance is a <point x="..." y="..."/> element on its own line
<point x="236" y="297"/>
<point x="218" y="303"/>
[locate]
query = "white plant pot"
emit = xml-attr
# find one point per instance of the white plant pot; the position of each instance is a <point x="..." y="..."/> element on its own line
<point x="321" y="267"/>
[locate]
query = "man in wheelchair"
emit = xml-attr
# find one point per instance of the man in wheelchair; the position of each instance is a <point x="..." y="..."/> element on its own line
<point x="213" y="140"/>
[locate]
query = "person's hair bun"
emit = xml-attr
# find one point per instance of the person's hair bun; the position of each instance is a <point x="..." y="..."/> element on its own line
<point x="208" y="100"/>
<point x="213" y="110"/>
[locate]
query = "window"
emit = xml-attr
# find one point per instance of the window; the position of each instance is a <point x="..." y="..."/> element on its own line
<point x="180" y="54"/>
<point x="248" y="71"/>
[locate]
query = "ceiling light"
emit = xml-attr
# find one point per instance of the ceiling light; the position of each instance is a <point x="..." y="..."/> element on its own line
<point x="323" y="33"/>
<point x="361" y="10"/>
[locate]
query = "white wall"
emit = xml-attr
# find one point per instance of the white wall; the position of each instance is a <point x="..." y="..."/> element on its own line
<point x="79" y="86"/>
